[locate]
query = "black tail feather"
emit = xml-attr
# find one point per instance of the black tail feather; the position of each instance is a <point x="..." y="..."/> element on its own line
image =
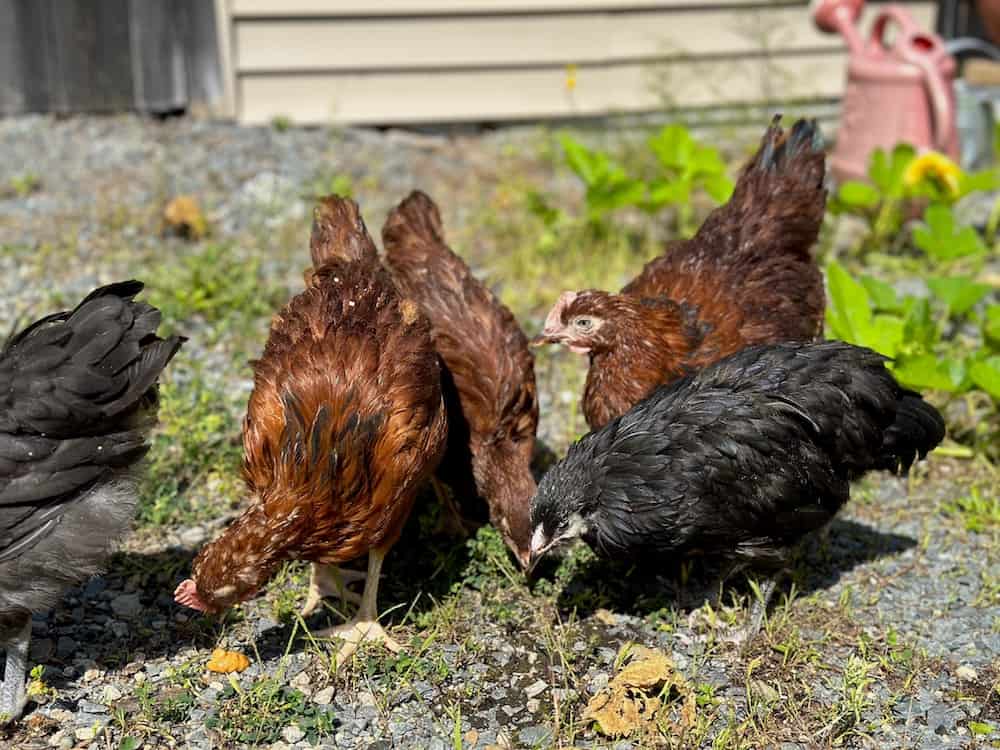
<point x="917" y="430"/>
<point x="782" y="151"/>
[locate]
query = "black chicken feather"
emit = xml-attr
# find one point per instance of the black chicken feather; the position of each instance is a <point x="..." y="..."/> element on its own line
<point x="740" y="459"/>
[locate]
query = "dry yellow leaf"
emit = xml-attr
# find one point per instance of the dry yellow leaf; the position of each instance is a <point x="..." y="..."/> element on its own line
<point x="631" y="700"/>
<point x="647" y="669"/>
<point x="606" y="617"/>
<point x="227" y="661"/>
<point x="183" y="215"/>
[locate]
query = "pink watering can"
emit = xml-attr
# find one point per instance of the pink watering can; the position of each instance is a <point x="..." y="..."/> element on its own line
<point x="898" y="93"/>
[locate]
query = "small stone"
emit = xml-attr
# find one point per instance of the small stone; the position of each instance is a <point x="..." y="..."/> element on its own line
<point x="61" y="715"/>
<point x="66" y="647"/>
<point x="533" y="704"/>
<point x="536" y="688"/>
<point x="92" y="708"/>
<point x="967" y="673"/>
<point x="300" y="681"/>
<point x="92" y="675"/>
<point x="365" y="698"/>
<point x="471" y="737"/>
<point x="764" y="691"/>
<point x="534" y="736"/>
<point x="127" y="606"/>
<point x="292" y="734"/>
<point x="324" y="697"/>
<point x="437" y="744"/>
<point x="41" y="650"/>
<point x="94" y="587"/>
<point x="193" y="536"/>
<point x="86" y="734"/>
<point x="264" y="624"/>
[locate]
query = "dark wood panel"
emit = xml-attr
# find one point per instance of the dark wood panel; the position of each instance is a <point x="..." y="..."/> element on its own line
<point x="89" y="43"/>
<point x="108" y="55"/>
<point x="158" y="66"/>
<point x="197" y="26"/>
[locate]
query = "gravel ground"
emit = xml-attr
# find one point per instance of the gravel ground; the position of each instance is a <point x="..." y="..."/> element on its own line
<point x="891" y="638"/>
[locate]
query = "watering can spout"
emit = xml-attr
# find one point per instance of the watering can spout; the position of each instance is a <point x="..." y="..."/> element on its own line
<point x="840" y="17"/>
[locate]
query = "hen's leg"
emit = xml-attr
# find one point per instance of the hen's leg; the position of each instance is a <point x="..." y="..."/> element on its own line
<point x="364" y="626"/>
<point x="12" y="696"/>
<point x="329" y="580"/>
<point x="759" y="608"/>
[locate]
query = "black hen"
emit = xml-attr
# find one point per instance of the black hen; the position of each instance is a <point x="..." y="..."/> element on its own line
<point x="739" y="460"/>
<point x="77" y="399"/>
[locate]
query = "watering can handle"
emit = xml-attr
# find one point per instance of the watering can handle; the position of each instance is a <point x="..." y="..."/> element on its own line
<point x="926" y="52"/>
<point x="896" y="14"/>
<point x="942" y="108"/>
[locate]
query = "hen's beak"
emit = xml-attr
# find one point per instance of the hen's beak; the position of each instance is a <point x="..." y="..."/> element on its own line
<point x="543" y="338"/>
<point x="539" y="546"/>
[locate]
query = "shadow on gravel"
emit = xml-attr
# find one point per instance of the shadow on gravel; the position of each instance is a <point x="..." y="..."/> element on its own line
<point x="112" y="619"/>
<point x="641" y="588"/>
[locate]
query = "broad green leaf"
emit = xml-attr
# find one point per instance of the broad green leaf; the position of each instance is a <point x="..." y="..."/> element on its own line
<point x="925" y="371"/>
<point x="855" y="194"/>
<point x="986" y="374"/>
<point x="960" y="293"/>
<point x="882" y="295"/>
<point x="886" y="334"/>
<point x="939" y="237"/>
<point x="706" y="160"/>
<point x="673" y="146"/>
<point x="886" y="170"/>
<point x="719" y="187"/>
<point x="669" y="193"/>
<point x="615" y="192"/>
<point x="920" y="331"/>
<point x="586" y="164"/>
<point x="849" y="313"/>
<point x="984" y="181"/>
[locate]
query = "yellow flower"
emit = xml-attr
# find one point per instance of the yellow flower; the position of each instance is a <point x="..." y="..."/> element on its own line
<point x="570" y="77"/>
<point x="227" y="661"/>
<point x="935" y="167"/>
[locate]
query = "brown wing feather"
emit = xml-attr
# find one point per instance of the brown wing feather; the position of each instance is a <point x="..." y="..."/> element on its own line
<point x="746" y="277"/>
<point x="749" y="267"/>
<point x="485" y="353"/>
<point x="344" y="424"/>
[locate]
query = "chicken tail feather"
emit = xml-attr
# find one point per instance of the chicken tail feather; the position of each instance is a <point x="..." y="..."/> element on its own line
<point x="779" y="199"/>
<point x="339" y="232"/>
<point x="416" y="215"/>
<point x="918" y="429"/>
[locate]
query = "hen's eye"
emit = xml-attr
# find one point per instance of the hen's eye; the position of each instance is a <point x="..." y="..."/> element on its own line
<point x="584" y="324"/>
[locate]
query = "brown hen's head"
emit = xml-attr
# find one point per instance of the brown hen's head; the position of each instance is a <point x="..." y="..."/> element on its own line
<point x="586" y="322"/>
<point x="503" y="474"/>
<point x="234" y="567"/>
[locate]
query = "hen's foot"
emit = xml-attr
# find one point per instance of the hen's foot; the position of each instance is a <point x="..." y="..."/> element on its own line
<point x="355" y="633"/>
<point x="12" y="693"/>
<point x="329" y="580"/>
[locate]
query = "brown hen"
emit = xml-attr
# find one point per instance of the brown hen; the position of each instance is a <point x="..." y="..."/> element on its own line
<point x="345" y="423"/>
<point x="746" y="277"/>
<point x="488" y="372"/>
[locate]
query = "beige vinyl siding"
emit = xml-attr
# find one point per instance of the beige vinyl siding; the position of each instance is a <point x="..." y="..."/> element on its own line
<point x="415" y="61"/>
<point x="317" y="8"/>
